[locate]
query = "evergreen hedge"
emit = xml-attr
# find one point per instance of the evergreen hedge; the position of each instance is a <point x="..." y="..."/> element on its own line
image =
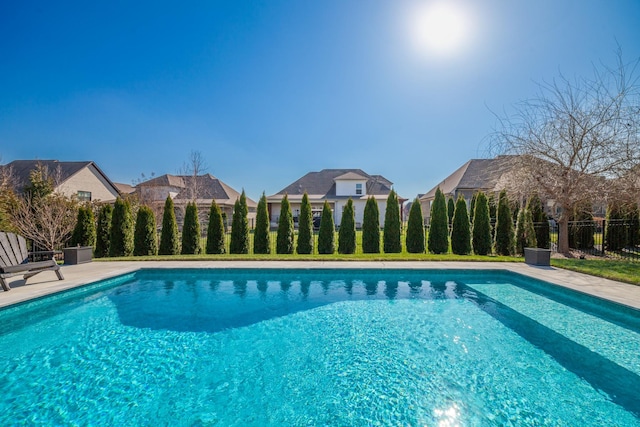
<point x="439" y="225"/>
<point x="240" y="227"/>
<point x="347" y="231"/>
<point x="460" y="229"/>
<point x="504" y="238"/>
<point x="284" y="237"/>
<point x="525" y="232"/>
<point x="415" y="229"/>
<point x="305" y="227"/>
<point x="540" y="221"/>
<point x="121" y="236"/>
<point x="371" y="227"/>
<point x="472" y="206"/>
<point x="84" y="233"/>
<point x="326" y="235"/>
<point x="169" y="243"/>
<point x="481" y="232"/>
<point x="261" y="238"/>
<point x="103" y="232"/>
<point x="145" y="238"/>
<point x="191" y="231"/>
<point x="633" y="217"/>
<point x="582" y="227"/>
<point x="391" y="237"/>
<point x="215" y="231"/>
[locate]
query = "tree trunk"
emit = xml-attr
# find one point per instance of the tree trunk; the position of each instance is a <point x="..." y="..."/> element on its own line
<point x="563" y="234"/>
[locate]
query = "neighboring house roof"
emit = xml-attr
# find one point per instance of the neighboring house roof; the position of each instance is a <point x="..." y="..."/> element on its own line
<point x="124" y="188"/>
<point x="322" y="184"/>
<point x="59" y="171"/>
<point x="476" y="174"/>
<point x="209" y="188"/>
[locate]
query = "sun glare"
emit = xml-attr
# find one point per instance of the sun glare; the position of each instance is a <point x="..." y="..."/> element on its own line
<point x="440" y="28"/>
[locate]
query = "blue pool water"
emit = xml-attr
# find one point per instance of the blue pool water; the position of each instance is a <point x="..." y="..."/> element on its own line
<point x="320" y="347"/>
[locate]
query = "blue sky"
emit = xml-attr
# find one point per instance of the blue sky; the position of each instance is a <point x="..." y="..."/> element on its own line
<point x="269" y="90"/>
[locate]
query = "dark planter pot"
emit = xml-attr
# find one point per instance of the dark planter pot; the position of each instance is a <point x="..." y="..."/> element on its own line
<point x="537" y="256"/>
<point x="78" y="255"/>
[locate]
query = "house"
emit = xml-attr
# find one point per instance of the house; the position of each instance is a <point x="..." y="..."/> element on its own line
<point x="83" y="180"/>
<point x="336" y="186"/>
<point x="486" y="175"/>
<point x="184" y="188"/>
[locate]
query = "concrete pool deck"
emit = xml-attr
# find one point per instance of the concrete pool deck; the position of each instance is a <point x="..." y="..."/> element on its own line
<point x="77" y="275"/>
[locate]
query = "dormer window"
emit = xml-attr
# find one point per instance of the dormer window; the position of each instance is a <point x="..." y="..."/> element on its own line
<point x="358" y="188"/>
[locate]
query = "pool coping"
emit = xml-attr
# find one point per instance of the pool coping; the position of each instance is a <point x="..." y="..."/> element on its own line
<point x="46" y="283"/>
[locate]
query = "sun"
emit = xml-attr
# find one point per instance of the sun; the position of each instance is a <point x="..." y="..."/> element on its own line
<point x="440" y="28"/>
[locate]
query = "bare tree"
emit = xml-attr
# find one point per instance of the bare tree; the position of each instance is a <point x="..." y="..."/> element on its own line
<point x="48" y="220"/>
<point x="191" y="169"/>
<point x="576" y="138"/>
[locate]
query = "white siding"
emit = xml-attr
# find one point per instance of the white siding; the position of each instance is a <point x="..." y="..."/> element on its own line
<point x="348" y="187"/>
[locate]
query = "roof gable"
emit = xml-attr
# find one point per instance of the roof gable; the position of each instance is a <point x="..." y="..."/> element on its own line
<point x="323" y="184"/>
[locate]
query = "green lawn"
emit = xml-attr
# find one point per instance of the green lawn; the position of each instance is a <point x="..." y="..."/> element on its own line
<point x="623" y="271"/>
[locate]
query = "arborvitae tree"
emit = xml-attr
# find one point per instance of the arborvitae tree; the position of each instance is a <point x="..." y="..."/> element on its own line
<point x="261" y="240"/>
<point x="505" y="238"/>
<point x="540" y="222"/>
<point x="439" y="225"/>
<point x="347" y="231"/>
<point x="616" y="233"/>
<point x="284" y="238"/>
<point x="415" y="229"/>
<point x="326" y="235"/>
<point x="215" y="230"/>
<point x="145" y="239"/>
<point x="121" y="238"/>
<point x="169" y="243"/>
<point x="240" y="227"/>
<point x="460" y="231"/>
<point x="472" y="206"/>
<point x="493" y="213"/>
<point x="582" y="227"/>
<point x="305" y="227"/>
<point x="84" y="233"/>
<point x="191" y="231"/>
<point x="451" y="207"/>
<point x="391" y="237"/>
<point x="525" y="232"/>
<point x="103" y="232"/>
<point x="481" y="233"/>
<point x="371" y="227"/>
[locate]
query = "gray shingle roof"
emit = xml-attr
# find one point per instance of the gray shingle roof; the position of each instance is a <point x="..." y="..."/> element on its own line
<point x="323" y="183"/>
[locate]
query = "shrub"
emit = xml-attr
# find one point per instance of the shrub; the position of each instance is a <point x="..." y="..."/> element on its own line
<point x="103" y="232"/>
<point x="215" y="231"/>
<point x="169" y="243"/>
<point x="84" y="233"/>
<point x="284" y="238"/>
<point x="240" y="227"/>
<point x="439" y="225"/>
<point x="616" y="235"/>
<point x="191" y="231"/>
<point x="472" y="206"/>
<point x="305" y="227"/>
<point x="145" y="239"/>
<point x="525" y="233"/>
<point x="415" y="229"/>
<point x="326" y="235"/>
<point x="481" y="233"/>
<point x="121" y="237"/>
<point x="451" y="207"/>
<point x="460" y="229"/>
<point x="581" y="227"/>
<point x="347" y="231"/>
<point x="504" y="239"/>
<point x="261" y="240"/>
<point x="371" y="227"/>
<point x="633" y="217"/>
<point x="391" y="237"/>
<point x="540" y="222"/>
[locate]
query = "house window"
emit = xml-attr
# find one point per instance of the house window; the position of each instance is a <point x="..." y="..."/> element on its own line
<point x="84" y="196"/>
<point x="358" y="188"/>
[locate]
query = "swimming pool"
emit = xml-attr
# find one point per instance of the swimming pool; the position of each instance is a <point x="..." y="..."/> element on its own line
<point x="319" y="347"/>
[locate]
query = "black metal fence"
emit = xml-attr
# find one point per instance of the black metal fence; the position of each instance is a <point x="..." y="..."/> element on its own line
<point x="618" y="239"/>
